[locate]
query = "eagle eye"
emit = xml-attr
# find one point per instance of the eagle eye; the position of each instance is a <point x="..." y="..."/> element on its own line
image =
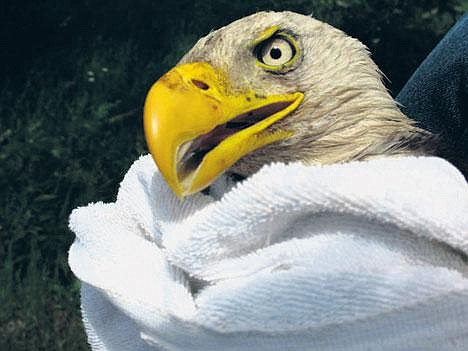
<point x="277" y="52"/>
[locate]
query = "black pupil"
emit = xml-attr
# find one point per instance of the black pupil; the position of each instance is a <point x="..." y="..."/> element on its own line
<point x="275" y="53"/>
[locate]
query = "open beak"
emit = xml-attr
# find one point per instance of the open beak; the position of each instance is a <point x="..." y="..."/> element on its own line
<point x="197" y="127"/>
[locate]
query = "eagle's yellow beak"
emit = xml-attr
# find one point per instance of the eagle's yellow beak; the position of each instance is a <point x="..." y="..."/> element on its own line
<point x="196" y="126"/>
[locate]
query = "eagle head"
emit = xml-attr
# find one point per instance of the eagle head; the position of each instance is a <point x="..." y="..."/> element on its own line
<point x="271" y="87"/>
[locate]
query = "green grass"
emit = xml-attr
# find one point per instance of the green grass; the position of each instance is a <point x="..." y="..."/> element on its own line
<point x="37" y="312"/>
<point x="66" y="139"/>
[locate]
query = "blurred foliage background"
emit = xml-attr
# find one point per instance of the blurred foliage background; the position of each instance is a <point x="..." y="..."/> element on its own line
<point x="74" y="74"/>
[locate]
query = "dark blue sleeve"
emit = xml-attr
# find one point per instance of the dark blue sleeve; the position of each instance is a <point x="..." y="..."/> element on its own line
<point x="436" y="96"/>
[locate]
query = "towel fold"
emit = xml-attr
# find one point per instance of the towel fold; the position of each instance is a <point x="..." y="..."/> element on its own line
<point x="362" y="255"/>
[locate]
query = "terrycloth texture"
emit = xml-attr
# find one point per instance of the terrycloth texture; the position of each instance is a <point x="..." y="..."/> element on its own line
<point x="357" y="256"/>
<point x="437" y="94"/>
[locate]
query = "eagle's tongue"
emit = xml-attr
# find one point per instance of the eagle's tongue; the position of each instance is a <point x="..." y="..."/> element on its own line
<point x="207" y="142"/>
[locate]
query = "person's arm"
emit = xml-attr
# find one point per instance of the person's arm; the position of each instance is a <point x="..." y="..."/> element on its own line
<point x="436" y="96"/>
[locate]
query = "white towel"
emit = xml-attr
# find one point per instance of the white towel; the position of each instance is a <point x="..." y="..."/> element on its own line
<point x="357" y="256"/>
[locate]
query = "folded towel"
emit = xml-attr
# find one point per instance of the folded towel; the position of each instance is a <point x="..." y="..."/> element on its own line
<point x="357" y="256"/>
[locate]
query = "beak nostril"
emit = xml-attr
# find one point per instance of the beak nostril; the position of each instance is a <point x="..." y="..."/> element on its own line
<point x="200" y="84"/>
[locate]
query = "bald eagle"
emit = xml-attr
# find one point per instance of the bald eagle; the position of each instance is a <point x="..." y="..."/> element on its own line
<point x="296" y="257"/>
<point x="273" y="87"/>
